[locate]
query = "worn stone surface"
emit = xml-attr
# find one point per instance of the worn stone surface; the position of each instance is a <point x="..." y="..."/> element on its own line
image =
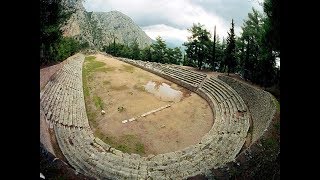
<point x="63" y="105"/>
<point x="259" y="103"/>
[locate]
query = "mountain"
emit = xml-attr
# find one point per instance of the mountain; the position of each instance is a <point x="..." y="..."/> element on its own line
<point x="99" y="28"/>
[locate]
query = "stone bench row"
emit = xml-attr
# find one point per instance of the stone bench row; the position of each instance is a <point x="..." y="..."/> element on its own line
<point x="216" y="94"/>
<point x="75" y="149"/>
<point x="95" y="158"/>
<point x="154" y="167"/>
<point x="160" y="72"/>
<point x="187" y="76"/>
<point x="224" y="92"/>
<point x="241" y="106"/>
<point x="225" y="123"/>
<point x="62" y="99"/>
<point x="65" y="79"/>
<point x="86" y="158"/>
<point x="79" y="152"/>
<point x="124" y="165"/>
<point x="173" y="68"/>
<point x="184" y="76"/>
<point x="228" y="108"/>
<point x="183" y="72"/>
<point x="195" y="74"/>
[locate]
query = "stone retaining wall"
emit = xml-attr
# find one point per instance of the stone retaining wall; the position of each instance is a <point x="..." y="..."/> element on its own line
<point x="259" y="102"/>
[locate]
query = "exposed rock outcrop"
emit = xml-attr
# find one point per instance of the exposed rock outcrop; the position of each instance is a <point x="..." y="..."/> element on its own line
<point x="100" y="28"/>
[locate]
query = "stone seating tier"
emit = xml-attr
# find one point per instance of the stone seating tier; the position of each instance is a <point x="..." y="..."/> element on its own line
<point x="63" y="103"/>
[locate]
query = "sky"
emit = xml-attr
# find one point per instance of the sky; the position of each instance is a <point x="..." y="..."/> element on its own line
<point x="170" y="19"/>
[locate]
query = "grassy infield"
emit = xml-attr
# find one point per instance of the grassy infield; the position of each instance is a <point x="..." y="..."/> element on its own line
<point x="126" y="143"/>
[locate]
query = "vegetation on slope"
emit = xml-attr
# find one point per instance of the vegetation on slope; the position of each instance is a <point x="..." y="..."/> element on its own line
<point x="157" y="52"/>
<point x="252" y="54"/>
<point x="53" y="46"/>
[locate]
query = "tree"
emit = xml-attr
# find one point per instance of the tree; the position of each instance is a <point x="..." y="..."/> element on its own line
<point x="146" y="54"/>
<point x="240" y="54"/>
<point x="220" y="46"/>
<point x="113" y="36"/>
<point x="187" y="61"/>
<point x="213" y="50"/>
<point x="177" y="55"/>
<point x="272" y="36"/>
<point x="252" y="31"/>
<point x="53" y="46"/>
<point x="258" y="51"/>
<point x="124" y="51"/>
<point x="159" y="48"/>
<point x="198" y="45"/>
<point x="230" y="58"/>
<point x="173" y="55"/>
<point x="271" y="42"/>
<point x="135" y="51"/>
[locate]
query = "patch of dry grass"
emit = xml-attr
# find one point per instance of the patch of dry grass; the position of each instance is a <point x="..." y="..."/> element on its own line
<point x="127" y="68"/>
<point x="119" y="88"/>
<point x="127" y="143"/>
<point x="106" y="82"/>
<point x="105" y="69"/>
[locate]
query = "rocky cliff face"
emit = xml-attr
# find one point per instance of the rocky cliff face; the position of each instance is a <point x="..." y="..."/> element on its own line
<point x="99" y="28"/>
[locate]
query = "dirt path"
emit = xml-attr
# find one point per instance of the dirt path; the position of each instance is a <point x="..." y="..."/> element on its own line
<point x="120" y="87"/>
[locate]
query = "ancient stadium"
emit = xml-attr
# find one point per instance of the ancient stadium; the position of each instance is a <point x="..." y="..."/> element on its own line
<point x="116" y="118"/>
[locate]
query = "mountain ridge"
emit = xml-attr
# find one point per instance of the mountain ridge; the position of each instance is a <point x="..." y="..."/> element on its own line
<point x="98" y="29"/>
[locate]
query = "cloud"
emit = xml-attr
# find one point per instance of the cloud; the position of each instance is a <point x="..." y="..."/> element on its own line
<point x="166" y="32"/>
<point x="176" y="16"/>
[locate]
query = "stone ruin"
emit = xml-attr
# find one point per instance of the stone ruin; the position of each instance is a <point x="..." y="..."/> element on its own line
<point x="233" y="105"/>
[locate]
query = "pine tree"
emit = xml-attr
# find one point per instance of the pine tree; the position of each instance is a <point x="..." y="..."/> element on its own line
<point x="146" y="54"/>
<point x="134" y="49"/>
<point x="272" y="10"/>
<point x="230" y="59"/>
<point x="159" y="49"/>
<point x="198" y="45"/>
<point x="214" y="50"/>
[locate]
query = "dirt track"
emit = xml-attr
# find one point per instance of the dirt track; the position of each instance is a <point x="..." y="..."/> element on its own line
<point x="120" y="87"/>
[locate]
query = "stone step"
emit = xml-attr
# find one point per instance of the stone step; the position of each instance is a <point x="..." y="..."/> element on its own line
<point x="231" y="95"/>
<point x="241" y="105"/>
<point x="189" y="71"/>
<point x="212" y="93"/>
<point x="183" y="75"/>
<point x="81" y="155"/>
<point x="218" y="89"/>
<point x="70" y="154"/>
<point x="47" y="98"/>
<point x="179" y="74"/>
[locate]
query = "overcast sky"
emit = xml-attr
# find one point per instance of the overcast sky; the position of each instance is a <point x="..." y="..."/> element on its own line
<point x="170" y="19"/>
